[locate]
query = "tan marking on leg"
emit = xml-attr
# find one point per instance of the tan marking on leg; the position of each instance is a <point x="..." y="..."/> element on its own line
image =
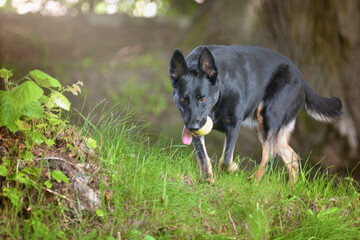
<point x="232" y="167"/>
<point x="208" y="175"/>
<point x="221" y="160"/>
<point x="287" y="154"/>
<point x="261" y="171"/>
<point x="266" y="155"/>
<point x="266" y="150"/>
<point x="260" y="126"/>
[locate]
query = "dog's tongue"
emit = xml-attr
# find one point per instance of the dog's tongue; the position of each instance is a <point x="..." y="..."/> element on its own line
<point x="186" y="136"/>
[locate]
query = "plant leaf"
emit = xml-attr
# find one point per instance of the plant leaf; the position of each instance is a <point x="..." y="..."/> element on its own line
<point x="8" y="113"/>
<point x="5" y="74"/>
<point x="45" y="80"/>
<point x="28" y="156"/>
<point x="99" y="212"/>
<point x="49" y="142"/>
<point x="59" y="176"/>
<point x="33" y="110"/>
<point x="3" y="171"/>
<point x="13" y="194"/>
<point x="77" y="88"/>
<point x="12" y="127"/>
<point x="48" y="184"/>
<point x="60" y="100"/>
<point x="25" y="94"/>
<point x="36" y="137"/>
<point x="22" y="125"/>
<point x="49" y="102"/>
<point x="148" y="237"/>
<point x="91" y="143"/>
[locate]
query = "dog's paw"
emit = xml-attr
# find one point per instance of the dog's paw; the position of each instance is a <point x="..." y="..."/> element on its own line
<point x="232" y="167"/>
<point x="207" y="178"/>
<point x="258" y="175"/>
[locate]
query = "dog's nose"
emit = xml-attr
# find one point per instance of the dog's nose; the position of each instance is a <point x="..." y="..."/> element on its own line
<point x="193" y="129"/>
<point x="194" y="126"/>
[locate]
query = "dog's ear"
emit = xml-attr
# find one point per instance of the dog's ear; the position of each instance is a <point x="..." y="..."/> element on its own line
<point x="178" y="66"/>
<point x="207" y="64"/>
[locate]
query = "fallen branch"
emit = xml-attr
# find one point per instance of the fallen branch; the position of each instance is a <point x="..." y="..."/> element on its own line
<point x="53" y="192"/>
<point x="229" y="214"/>
<point x="59" y="159"/>
<point x="204" y="220"/>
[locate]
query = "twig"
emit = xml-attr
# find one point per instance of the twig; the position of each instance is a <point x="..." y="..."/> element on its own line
<point x="77" y="147"/>
<point x="58" y="159"/>
<point x="118" y="236"/>
<point x="229" y="214"/>
<point x="204" y="220"/>
<point x="51" y="158"/>
<point x="53" y="192"/>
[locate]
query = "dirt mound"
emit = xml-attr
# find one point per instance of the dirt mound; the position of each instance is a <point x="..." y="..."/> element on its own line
<point x="65" y="166"/>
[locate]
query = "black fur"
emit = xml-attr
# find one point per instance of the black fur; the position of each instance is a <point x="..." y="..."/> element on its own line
<point x="231" y="84"/>
<point x="322" y="108"/>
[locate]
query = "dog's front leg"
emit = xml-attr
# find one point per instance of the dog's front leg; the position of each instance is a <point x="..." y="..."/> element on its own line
<point x="203" y="159"/>
<point x="226" y="160"/>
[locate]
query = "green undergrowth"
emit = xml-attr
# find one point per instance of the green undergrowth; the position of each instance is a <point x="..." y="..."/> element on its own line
<point x="152" y="191"/>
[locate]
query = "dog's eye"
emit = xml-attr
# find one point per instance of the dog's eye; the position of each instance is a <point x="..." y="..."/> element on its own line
<point x="203" y="100"/>
<point x="182" y="100"/>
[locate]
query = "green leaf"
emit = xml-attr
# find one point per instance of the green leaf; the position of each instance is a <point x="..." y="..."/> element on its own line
<point x="32" y="171"/>
<point x="44" y="80"/>
<point x="41" y="125"/>
<point x="148" y="237"/>
<point x="134" y="234"/>
<point x="33" y="110"/>
<point x="49" y="142"/>
<point x="59" y="176"/>
<point x="54" y="121"/>
<point x="22" y="125"/>
<point x="26" y="155"/>
<point x="12" y="127"/>
<point x="48" y="184"/>
<point x="21" y="177"/>
<point x="25" y="94"/>
<point x="42" y="99"/>
<point x="332" y="211"/>
<point x="8" y="113"/>
<point x="58" y="100"/>
<point x="99" y="212"/>
<point x="49" y="102"/>
<point x="13" y="194"/>
<point x="5" y="74"/>
<point x="3" y="171"/>
<point x="91" y="143"/>
<point x="36" y="137"/>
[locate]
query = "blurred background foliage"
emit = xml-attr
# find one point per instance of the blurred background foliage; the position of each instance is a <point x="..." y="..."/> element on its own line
<point x="120" y="49"/>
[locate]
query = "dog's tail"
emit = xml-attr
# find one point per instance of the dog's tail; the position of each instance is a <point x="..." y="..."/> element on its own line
<point x="322" y="108"/>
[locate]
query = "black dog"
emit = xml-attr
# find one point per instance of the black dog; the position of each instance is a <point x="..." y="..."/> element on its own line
<point x="241" y="85"/>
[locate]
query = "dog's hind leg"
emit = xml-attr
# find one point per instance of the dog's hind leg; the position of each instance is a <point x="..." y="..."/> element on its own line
<point x="226" y="160"/>
<point x="267" y="154"/>
<point x="266" y="138"/>
<point x="288" y="155"/>
<point x="276" y="113"/>
<point x="203" y="159"/>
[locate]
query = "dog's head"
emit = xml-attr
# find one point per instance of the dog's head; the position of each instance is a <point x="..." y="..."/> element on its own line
<point x="195" y="87"/>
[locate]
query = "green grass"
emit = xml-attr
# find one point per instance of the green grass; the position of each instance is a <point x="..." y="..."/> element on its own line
<point x="152" y="192"/>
